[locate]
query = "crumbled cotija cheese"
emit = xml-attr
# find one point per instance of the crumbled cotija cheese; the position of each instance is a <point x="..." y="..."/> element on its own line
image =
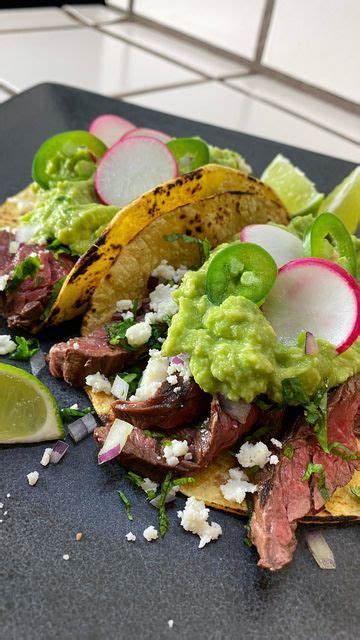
<point x="251" y="455"/>
<point x="33" y="477"/>
<point x="124" y="305"/>
<point x="161" y="303"/>
<point x="138" y="334"/>
<point x="6" y="345"/>
<point x="237" y="486"/>
<point x="173" y="451"/>
<point x="3" y="282"/>
<point x="150" y="533"/>
<point x="170" y="624"/>
<point x="153" y="376"/>
<point x="148" y="485"/>
<point x="130" y="537"/>
<point x="75" y="406"/>
<point x="98" y="383"/>
<point x="276" y="443"/>
<point x="273" y="459"/>
<point x="76" y="346"/>
<point x="164" y="271"/>
<point x="46" y="457"/>
<point x="179" y="366"/>
<point x="194" y="518"/>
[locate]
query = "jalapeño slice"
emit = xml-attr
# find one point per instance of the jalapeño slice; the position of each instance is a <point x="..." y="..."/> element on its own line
<point x="243" y="269"/>
<point x="328" y="238"/>
<point x="71" y="155"/>
<point x="190" y="154"/>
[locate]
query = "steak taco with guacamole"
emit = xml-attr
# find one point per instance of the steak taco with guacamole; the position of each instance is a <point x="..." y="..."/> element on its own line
<point x="60" y="235"/>
<point x="221" y="352"/>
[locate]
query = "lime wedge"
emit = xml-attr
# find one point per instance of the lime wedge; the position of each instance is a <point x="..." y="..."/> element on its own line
<point x="296" y="191"/>
<point x="28" y="411"/>
<point x="344" y="201"/>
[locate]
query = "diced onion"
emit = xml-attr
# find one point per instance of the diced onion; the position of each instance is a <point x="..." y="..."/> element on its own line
<point x="311" y="347"/>
<point x="237" y="410"/>
<point x="177" y="360"/>
<point x="320" y="550"/>
<point x="26" y="232"/>
<point x="155" y="502"/>
<point x="37" y="362"/>
<point x="58" y="451"/>
<point x="82" y="427"/>
<point x="115" y="440"/>
<point x="120" y="388"/>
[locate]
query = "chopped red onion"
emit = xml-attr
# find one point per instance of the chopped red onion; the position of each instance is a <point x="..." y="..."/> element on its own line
<point x="115" y="440"/>
<point x="237" y="410"/>
<point x="120" y="388"/>
<point x="37" y="362"/>
<point x="58" y="451"/>
<point x="82" y="427"/>
<point x="177" y="360"/>
<point x="320" y="550"/>
<point x="311" y="347"/>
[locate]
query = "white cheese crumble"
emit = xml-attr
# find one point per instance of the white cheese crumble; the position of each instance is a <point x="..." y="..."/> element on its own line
<point x="153" y="376"/>
<point x="8" y="495"/>
<point x="237" y="486"/>
<point x="194" y="518"/>
<point x="13" y="246"/>
<point x="170" y="624"/>
<point x="165" y="271"/>
<point x="130" y="537"/>
<point x="276" y="443"/>
<point x="128" y="315"/>
<point x="148" y="485"/>
<point x="33" y="477"/>
<point x="150" y="533"/>
<point x="98" y="383"/>
<point x="46" y="457"/>
<point x="274" y="459"/>
<point x="179" y="366"/>
<point x="138" y="334"/>
<point x="66" y="556"/>
<point x="74" y="406"/>
<point x="6" y="345"/>
<point x="3" y="282"/>
<point x="76" y="346"/>
<point x="161" y="303"/>
<point x="251" y="455"/>
<point x="174" y="451"/>
<point x="124" y="305"/>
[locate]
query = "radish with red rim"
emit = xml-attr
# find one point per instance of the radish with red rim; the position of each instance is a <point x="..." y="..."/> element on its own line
<point x="137" y="132"/>
<point x="282" y="245"/>
<point x="316" y="295"/>
<point x="110" y="128"/>
<point x="115" y="440"/>
<point x="131" y="167"/>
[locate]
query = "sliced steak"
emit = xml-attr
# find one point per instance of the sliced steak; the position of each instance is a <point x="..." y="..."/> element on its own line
<point x="170" y="407"/>
<point x="79" y="357"/>
<point x="283" y="497"/>
<point x="145" y="454"/>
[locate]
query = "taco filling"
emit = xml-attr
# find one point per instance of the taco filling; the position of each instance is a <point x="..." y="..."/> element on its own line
<point x="202" y="370"/>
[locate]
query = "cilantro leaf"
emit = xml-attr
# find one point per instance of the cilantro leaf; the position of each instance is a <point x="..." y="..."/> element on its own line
<point x="132" y="377"/>
<point x="57" y="248"/>
<point x="116" y="333"/>
<point x="127" y="505"/>
<point x="288" y="451"/>
<point x="203" y="243"/>
<point x="293" y="392"/>
<point x="157" y="331"/>
<point x="25" y="348"/>
<point x="317" y="469"/>
<point x="315" y="408"/>
<point x="163" y="517"/>
<point x="25" y="269"/>
<point x="134" y="478"/>
<point x="340" y="450"/>
<point x="67" y="414"/>
<point x="356" y="492"/>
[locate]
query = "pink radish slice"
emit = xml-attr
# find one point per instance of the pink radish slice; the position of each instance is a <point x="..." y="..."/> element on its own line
<point x="282" y="245"/>
<point x="152" y="133"/>
<point x="131" y="167"/>
<point x="314" y="295"/>
<point x="115" y="440"/>
<point x="110" y="128"/>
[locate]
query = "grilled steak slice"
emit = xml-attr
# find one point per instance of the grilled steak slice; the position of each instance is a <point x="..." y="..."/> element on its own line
<point x="170" y="407"/>
<point x="79" y="357"/>
<point x="283" y="497"/>
<point x="145" y="454"/>
<point x="24" y="305"/>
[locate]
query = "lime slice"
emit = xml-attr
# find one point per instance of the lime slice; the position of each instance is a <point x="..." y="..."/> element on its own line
<point x="296" y="191"/>
<point x="28" y="411"/>
<point x="344" y="201"/>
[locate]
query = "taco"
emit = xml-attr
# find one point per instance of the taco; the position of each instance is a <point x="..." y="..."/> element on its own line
<point x="180" y="359"/>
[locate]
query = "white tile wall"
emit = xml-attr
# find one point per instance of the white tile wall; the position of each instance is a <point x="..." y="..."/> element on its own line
<point x="33" y="19"/>
<point x="119" y="4"/>
<point x="317" y="41"/>
<point x="93" y="14"/>
<point x="83" y="58"/>
<point x="302" y="104"/>
<point x="220" y="105"/>
<point x="230" y="24"/>
<point x="179" y="50"/>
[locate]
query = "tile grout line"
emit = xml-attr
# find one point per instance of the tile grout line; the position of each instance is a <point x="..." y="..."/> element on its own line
<point x="83" y="21"/>
<point x="263" y="31"/>
<point x="289" y="111"/>
<point x="23" y="30"/>
<point x="166" y="87"/>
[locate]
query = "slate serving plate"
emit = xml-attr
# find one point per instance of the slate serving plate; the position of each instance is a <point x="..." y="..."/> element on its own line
<point x="111" y="588"/>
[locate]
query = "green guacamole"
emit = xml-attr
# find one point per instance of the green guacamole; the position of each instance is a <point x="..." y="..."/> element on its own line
<point x="71" y="213"/>
<point x="228" y="158"/>
<point x="234" y="350"/>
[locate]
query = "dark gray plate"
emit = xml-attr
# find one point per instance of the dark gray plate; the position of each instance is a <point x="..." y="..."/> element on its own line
<point x="111" y="588"/>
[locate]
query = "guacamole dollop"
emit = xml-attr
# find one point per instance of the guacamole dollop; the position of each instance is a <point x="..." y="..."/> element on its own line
<point x="70" y="212"/>
<point x="228" y="158"/>
<point x="234" y="350"/>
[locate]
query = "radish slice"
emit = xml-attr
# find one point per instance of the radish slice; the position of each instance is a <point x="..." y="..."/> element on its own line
<point x="110" y="128"/>
<point x="314" y="295"/>
<point x="282" y="245"/>
<point x="144" y="131"/>
<point x="115" y="441"/>
<point x="132" y="167"/>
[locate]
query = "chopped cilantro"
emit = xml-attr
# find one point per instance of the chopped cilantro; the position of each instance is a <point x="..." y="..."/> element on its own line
<point x="165" y="488"/>
<point x="315" y="408"/>
<point x="134" y="478"/>
<point x="258" y="433"/>
<point x="293" y="392"/>
<point x="67" y="414"/>
<point x="157" y="331"/>
<point x="132" y="377"/>
<point x="154" y="434"/>
<point x="356" y="492"/>
<point x="317" y="469"/>
<point x="127" y="505"/>
<point x="25" y="269"/>
<point x="25" y="348"/>
<point x="340" y="450"/>
<point x="116" y="333"/>
<point x="57" y="248"/>
<point x="288" y="451"/>
<point x="203" y="243"/>
<point x="247" y="542"/>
